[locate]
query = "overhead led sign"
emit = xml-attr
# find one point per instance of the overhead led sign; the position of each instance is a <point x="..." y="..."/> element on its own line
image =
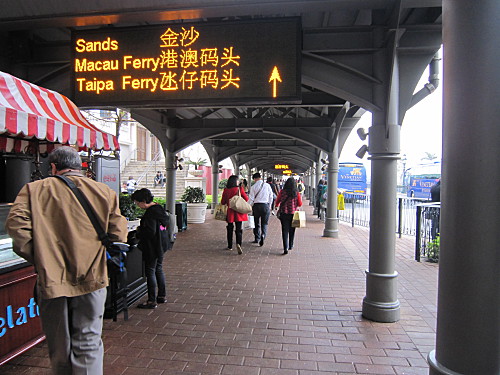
<point x="183" y="64"/>
<point x="281" y="166"/>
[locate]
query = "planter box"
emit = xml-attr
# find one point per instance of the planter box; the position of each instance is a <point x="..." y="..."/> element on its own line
<point x="196" y="172"/>
<point x="196" y="213"/>
<point x="133" y="224"/>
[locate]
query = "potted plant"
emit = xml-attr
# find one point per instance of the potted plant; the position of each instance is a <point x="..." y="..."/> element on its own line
<point x="197" y="163"/>
<point x="130" y="211"/>
<point x="196" y="205"/>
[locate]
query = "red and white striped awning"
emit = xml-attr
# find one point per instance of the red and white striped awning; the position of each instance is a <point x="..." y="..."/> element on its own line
<point x="28" y="111"/>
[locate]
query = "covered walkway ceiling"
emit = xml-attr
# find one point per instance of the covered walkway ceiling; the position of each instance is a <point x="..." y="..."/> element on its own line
<point x="341" y="41"/>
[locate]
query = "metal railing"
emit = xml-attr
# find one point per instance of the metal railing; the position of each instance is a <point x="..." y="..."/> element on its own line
<point x="357" y="210"/>
<point x="406" y="223"/>
<point x="427" y="229"/>
<point x="414" y="218"/>
<point x="152" y="165"/>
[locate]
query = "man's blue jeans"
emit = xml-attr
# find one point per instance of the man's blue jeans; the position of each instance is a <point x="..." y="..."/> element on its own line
<point x="261" y="214"/>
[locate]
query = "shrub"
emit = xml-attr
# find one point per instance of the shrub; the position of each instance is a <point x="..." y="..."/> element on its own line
<point x="193" y="195"/>
<point x="160" y="200"/>
<point x="128" y="208"/>
<point x="223" y="183"/>
<point x="433" y="250"/>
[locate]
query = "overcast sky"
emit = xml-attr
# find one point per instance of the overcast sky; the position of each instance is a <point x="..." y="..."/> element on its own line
<point x="421" y="130"/>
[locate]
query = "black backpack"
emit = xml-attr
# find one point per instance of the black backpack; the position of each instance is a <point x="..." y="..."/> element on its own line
<point x="167" y="231"/>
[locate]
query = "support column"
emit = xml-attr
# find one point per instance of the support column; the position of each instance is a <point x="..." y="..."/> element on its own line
<point x="468" y="316"/>
<point x="318" y="172"/>
<point x="215" y="184"/>
<point x="381" y="303"/>
<point x="332" y="220"/>
<point x="249" y="178"/>
<point x="318" y="177"/>
<point x="312" y="172"/>
<point x="170" y="176"/>
<point x="309" y="184"/>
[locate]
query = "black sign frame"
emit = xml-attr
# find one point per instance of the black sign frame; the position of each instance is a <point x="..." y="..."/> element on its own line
<point x="115" y="47"/>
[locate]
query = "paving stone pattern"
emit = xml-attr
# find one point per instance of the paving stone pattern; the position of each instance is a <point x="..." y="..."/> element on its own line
<point x="264" y="313"/>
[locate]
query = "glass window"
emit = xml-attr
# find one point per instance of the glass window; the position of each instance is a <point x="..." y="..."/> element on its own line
<point x="7" y="256"/>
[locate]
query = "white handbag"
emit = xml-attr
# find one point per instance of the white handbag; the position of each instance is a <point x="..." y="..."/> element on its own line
<point x="239" y="204"/>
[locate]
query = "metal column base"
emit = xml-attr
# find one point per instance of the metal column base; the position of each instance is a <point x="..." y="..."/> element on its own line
<point x="377" y="305"/>
<point x="331" y="228"/>
<point x="436" y="368"/>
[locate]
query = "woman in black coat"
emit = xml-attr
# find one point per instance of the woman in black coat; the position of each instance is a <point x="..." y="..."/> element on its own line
<point x="153" y="242"/>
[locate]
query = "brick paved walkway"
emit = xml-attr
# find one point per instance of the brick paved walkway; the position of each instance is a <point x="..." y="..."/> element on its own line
<point x="263" y="313"/>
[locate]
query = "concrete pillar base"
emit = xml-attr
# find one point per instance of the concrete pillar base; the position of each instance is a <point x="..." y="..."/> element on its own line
<point x="380" y="303"/>
<point x="331" y="228"/>
<point x="436" y="368"/>
<point x="382" y="312"/>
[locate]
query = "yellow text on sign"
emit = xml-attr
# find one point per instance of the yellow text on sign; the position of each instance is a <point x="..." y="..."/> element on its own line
<point x="281" y="166"/>
<point x="275" y="77"/>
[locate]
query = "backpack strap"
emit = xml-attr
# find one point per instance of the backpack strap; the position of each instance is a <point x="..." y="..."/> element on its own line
<point x="261" y="187"/>
<point x="103" y="236"/>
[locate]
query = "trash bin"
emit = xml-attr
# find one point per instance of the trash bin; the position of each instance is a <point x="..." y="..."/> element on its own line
<point x="181" y="214"/>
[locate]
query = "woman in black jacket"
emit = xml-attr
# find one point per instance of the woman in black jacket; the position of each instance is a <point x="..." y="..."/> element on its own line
<point x="153" y="242"/>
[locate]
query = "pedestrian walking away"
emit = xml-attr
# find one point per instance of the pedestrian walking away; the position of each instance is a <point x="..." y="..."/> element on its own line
<point x="234" y="219"/>
<point x="274" y="188"/>
<point x="244" y="182"/>
<point x="51" y="230"/>
<point x="323" y="196"/>
<point x="319" y="194"/>
<point x="288" y="201"/>
<point x="152" y="234"/>
<point x="261" y="198"/>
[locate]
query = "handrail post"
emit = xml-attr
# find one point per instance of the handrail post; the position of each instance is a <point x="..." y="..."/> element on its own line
<point x="145" y="173"/>
<point x="400" y="216"/>
<point x="353" y="201"/>
<point x="417" y="234"/>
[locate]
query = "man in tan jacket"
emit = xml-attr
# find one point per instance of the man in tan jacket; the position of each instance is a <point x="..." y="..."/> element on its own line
<point x="51" y="230"/>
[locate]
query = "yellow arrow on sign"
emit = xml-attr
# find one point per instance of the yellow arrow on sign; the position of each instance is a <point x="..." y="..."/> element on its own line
<point x="275" y="76"/>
